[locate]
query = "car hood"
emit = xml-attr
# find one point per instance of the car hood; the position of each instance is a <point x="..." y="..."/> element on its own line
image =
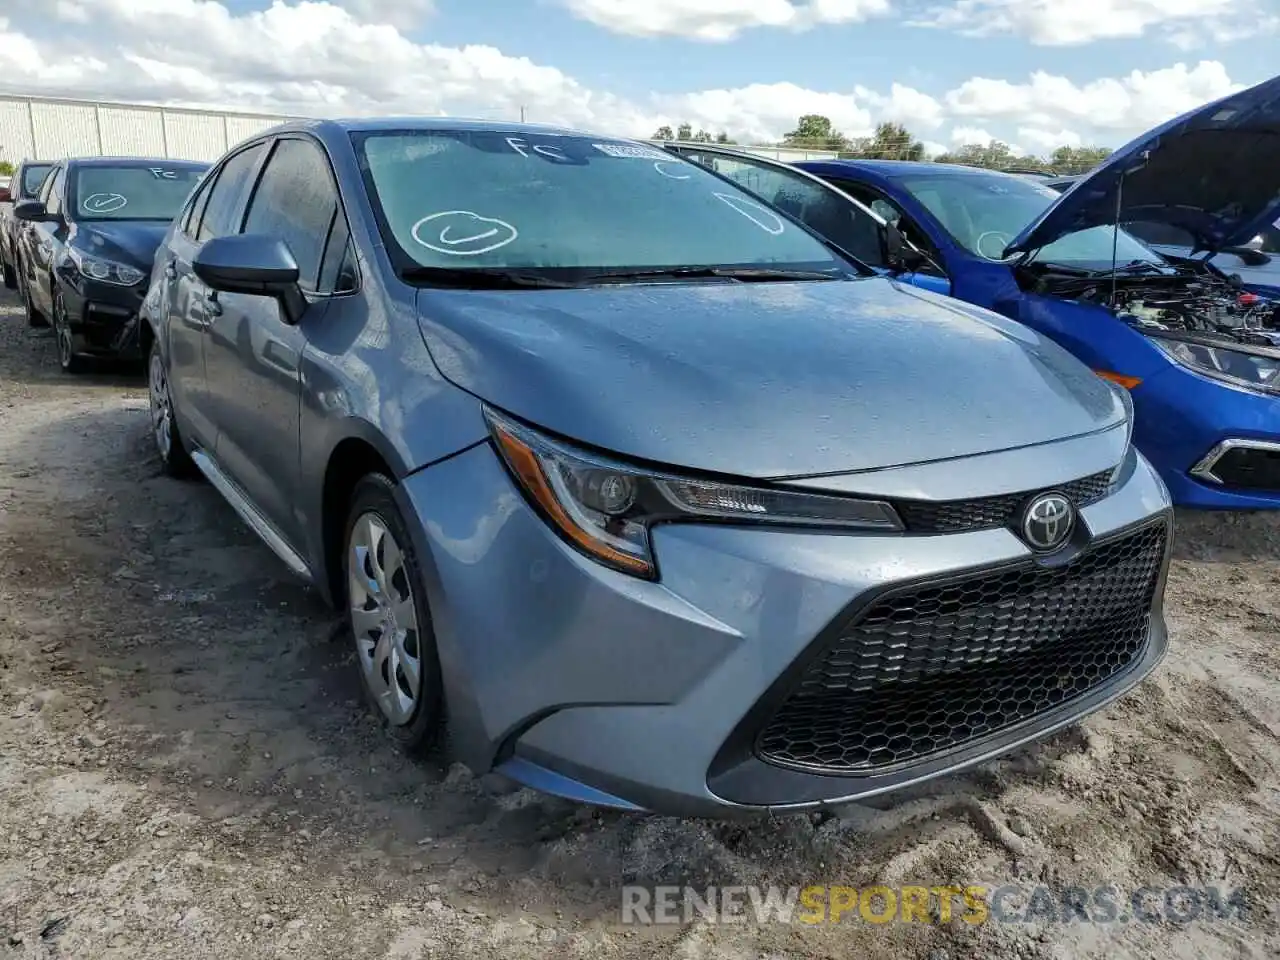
<point x="129" y="241"/>
<point x="765" y="379"/>
<point x="1214" y="172"/>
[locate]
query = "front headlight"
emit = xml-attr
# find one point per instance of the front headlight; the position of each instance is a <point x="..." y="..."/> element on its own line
<point x="1230" y="366"/>
<point x="107" y="271"/>
<point x="606" y="509"/>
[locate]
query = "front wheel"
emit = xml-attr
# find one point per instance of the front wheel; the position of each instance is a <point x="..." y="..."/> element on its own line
<point x="390" y="620"/>
<point x="68" y="359"/>
<point x="174" y="459"/>
<point x="10" y="275"/>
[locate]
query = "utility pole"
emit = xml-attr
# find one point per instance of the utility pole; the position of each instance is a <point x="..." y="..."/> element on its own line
<point x="522" y="114"/>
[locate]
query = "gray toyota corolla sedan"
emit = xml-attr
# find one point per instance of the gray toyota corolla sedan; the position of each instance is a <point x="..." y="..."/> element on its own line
<point x="649" y="496"/>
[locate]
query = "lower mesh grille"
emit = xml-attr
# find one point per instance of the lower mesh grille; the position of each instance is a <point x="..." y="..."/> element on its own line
<point x="931" y="667"/>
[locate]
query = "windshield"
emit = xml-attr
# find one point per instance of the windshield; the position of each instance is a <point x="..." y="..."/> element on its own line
<point x="33" y="179"/>
<point x="155" y="191"/>
<point x="516" y="200"/>
<point x="985" y="212"/>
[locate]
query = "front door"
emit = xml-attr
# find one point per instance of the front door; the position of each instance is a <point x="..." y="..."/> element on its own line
<point x="253" y="356"/>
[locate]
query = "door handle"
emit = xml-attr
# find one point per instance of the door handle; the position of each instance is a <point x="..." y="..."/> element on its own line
<point x="171" y="270"/>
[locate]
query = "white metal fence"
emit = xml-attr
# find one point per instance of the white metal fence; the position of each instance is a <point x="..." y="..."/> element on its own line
<point x="48" y="128"/>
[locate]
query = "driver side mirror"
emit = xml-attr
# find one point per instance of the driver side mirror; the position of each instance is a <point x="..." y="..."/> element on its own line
<point x="256" y="265"/>
<point x="899" y="255"/>
<point x="33" y="211"/>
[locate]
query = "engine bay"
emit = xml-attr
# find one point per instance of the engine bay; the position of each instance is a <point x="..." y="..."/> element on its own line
<point x="1195" y="303"/>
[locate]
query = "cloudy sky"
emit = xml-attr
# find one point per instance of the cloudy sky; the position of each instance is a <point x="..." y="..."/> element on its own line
<point x="1035" y="73"/>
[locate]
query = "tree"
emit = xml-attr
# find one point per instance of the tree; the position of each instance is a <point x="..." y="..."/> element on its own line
<point x="685" y="132"/>
<point x="6" y="168"/>
<point x="1077" y="159"/>
<point x="892" y="141"/>
<point x="815" y="131"/>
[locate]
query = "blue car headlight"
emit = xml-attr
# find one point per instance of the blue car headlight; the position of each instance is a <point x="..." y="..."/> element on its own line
<point x="1237" y="367"/>
<point x="606" y="508"/>
<point x="106" y="271"/>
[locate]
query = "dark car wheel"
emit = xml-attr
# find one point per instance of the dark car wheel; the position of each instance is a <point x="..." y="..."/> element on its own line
<point x="174" y="458"/>
<point x="68" y="359"/>
<point x="389" y="618"/>
<point x="34" y="317"/>
<point x="10" y="275"/>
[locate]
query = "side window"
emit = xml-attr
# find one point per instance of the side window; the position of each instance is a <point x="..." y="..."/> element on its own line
<point x="219" y="214"/>
<point x="894" y="215"/>
<point x="825" y="212"/>
<point x="195" y="206"/>
<point x="53" y="192"/>
<point x="296" y="201"/>
<point x="338" y="266"/>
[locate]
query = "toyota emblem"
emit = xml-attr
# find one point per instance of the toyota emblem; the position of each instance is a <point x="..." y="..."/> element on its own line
<point x="1048" y="521"/>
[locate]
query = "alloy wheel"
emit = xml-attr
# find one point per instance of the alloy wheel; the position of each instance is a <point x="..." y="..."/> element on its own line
<point x="384" y="618"/>
<point x="62" y="331"/>
<point x="161" y="408"/>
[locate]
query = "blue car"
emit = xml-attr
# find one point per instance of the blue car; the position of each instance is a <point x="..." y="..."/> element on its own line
<point x="1199" y="353"/>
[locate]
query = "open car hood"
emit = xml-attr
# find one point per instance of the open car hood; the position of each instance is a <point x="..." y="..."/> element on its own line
<point x="1214" y="172"/>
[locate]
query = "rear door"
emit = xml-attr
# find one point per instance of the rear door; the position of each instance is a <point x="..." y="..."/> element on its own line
<point x="215" y="210"/>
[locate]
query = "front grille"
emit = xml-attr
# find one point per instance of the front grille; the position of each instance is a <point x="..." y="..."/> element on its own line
<point x="953" y="516"/>
<point x="930" y="667"/>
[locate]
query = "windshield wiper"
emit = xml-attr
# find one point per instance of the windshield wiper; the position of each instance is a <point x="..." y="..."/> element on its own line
<point x="483" y="278"/>
<point x="746" y="274"/>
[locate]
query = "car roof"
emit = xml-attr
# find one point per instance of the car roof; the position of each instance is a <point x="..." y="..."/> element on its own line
<point x="117" y="161"/>
<point x="892" y="169"/>
<point x="374" y="124"/>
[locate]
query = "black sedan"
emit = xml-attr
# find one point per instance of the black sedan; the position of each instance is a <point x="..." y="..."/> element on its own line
<point x="85" y="264"/>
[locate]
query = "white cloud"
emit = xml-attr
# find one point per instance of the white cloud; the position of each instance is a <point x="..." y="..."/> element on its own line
<point x="1060" y="23"/>
<point x="407" y="14"/>
<point x="1047" y="141"/>
<point x="963" y="135"/>
<point x="319" y="59"/>
<point x="718" y="20"/>
<point x="1114" y="107"/>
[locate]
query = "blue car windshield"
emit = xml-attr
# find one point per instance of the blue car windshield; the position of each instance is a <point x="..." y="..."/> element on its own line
<point x="518" y="200"/>
<point x="984" y="212"/>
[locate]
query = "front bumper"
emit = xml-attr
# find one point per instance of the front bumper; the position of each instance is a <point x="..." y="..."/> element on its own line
<point x="103" y="317"/>
<point x="593" y="685"/>
<point x="1211" y="442"/>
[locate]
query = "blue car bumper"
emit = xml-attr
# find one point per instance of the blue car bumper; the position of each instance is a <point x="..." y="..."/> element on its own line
<point x="1216" y="446"/>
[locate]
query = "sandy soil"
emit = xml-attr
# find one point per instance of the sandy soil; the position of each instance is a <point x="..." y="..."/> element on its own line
<point x="186" y="771"/>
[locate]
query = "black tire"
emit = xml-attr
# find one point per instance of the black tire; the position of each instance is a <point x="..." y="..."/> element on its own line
<point x="68" y="359"/>
<point x="175" y="461"/>
<point x="10" y="275"/>
<point x="422" y="732"/>
<point x="34" y="317"/>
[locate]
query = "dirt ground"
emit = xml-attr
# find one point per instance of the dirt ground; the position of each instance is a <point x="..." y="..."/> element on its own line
<point x="186" y="770"/>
